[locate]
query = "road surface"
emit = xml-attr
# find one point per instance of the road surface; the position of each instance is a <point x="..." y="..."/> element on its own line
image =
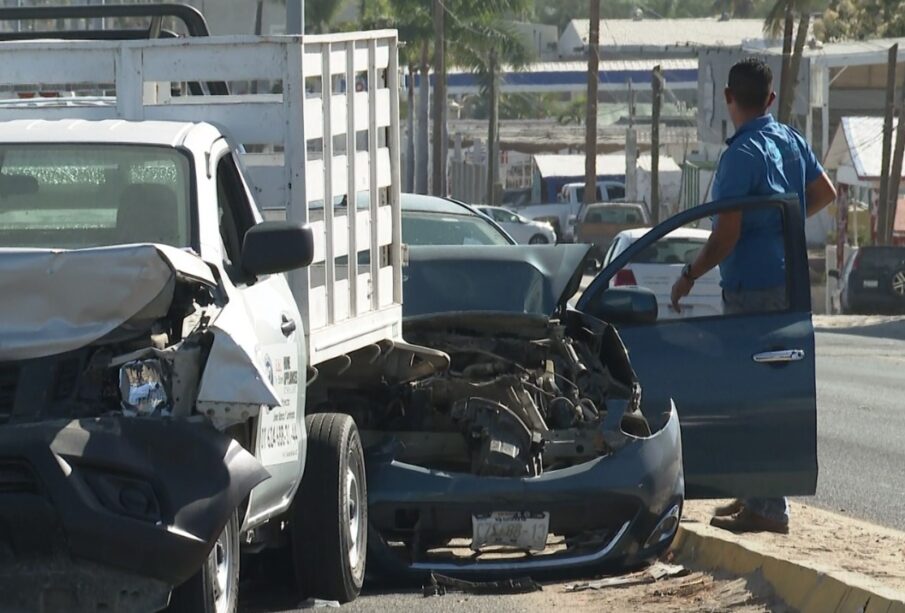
<point x="861" y="422"/>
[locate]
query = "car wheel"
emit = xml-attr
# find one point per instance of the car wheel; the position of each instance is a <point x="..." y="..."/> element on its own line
<point x="330" y="513"/>
<point x="538" y="239"/>
<point x="214" y="588"/>
<point x="898" y="284"/>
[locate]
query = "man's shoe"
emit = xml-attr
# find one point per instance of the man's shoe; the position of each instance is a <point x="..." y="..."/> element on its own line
<point x="746" y="521"/>
<point x="726" y="510"/>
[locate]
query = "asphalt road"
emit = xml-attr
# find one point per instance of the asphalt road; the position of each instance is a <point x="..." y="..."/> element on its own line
<point x="861" y="423"/>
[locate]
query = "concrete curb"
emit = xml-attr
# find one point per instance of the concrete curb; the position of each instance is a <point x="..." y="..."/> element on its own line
<point x="805" y="586"/>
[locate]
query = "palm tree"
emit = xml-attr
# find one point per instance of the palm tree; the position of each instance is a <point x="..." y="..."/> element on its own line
<point x="319" y="14"/>
<point x="781" y="19"/>
<point x="483" y="39"/>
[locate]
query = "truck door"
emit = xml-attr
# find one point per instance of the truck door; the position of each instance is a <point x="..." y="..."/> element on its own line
<point x="743" y="383"/>
<point x="279" y="442"/>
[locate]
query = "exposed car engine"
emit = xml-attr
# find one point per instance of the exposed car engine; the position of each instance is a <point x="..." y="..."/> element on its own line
<point x="519" y="395"/>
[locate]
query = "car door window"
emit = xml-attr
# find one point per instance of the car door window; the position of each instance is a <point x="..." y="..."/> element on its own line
<point x="615" y="192"/>
<point x="742" y="380"/>
<point x="755" y="276"/>
<point x="235" y="215"/>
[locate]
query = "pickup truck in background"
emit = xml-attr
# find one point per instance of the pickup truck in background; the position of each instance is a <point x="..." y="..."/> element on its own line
<point x="154" y="354"/>
<point x="562" y="214"/>
<point x="598" y="224"/>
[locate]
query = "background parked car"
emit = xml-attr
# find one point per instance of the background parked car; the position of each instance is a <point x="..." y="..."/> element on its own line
<point x="523" y="230"/>
<point x="658" y="267"/>
<point x="873" y="281"/>
<point x="429" y="220"/>
<point x="598" y="224"/>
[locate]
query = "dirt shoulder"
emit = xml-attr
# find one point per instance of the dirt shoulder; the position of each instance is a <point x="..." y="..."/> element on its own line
<point x="825" y="539"/>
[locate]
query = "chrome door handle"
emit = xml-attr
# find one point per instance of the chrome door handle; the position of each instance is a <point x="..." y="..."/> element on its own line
<point x="779" y="357"/>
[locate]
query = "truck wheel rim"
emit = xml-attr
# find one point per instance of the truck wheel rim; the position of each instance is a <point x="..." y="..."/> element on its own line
<point x="353" y="495"/>
<point x="222" y="558"/>
<point x="898" y="283"/>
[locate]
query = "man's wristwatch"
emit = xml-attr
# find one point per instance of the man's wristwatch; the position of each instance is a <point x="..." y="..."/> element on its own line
<point x="686" y="272"/>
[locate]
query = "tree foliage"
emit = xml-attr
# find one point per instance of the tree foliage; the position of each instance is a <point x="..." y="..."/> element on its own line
<point x="860" y="19"/>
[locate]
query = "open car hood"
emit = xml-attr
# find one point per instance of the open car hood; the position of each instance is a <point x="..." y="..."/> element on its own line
<point x="61" y="300"/>
<point x="535" y="279"/>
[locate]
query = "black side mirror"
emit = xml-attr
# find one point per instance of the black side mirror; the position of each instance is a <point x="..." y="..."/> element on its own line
<point x="833" y="274"/>
<point x="272" y="247"/>
<point x="626" y="305"/>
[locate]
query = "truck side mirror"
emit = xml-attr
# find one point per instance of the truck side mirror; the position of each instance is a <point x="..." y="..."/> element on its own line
<point x="272" y="247"/>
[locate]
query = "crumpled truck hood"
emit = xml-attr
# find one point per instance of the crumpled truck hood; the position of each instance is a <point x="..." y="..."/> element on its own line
<point x="57" y="301"/>
<point x="531" y="279"/>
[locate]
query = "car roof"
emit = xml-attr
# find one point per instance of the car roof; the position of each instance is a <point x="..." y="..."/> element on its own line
<point x="636" y="233"/>
<point x="434" y="204"/>
<point x="112" y="131"/>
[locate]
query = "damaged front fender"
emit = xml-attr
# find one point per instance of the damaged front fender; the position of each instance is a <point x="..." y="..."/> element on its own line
<point x="130" y="496"/>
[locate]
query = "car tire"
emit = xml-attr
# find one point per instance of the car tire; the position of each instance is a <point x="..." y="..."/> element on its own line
<point x="214" y="588"/>
<point x="538" y="239"/>
<point x="898" y="284"/>
<point x="330" y="513"/>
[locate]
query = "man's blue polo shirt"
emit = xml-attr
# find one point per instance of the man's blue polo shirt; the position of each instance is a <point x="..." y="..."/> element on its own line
<point x="764" y="158"/>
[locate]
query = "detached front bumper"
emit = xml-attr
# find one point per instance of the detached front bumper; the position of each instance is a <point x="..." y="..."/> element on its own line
<point x="616" y="512"/>
<point x="111" y="513"/>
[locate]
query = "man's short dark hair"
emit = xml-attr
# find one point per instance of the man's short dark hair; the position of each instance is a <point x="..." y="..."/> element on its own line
<point x="751" y="82"/>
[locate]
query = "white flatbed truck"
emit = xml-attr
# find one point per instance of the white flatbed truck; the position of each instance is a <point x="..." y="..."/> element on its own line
<point x="146" y="295"/>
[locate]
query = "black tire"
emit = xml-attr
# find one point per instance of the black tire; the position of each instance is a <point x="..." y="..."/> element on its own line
<point x="332" y="498"/>
<point x="538" y="239"/>
<point x="203" y="593"/>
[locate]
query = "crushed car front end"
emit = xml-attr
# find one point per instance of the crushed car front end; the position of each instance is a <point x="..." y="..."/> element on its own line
<point x="114" y="481"/>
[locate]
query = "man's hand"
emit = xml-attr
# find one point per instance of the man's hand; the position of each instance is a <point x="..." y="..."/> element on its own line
<point x="680" y="289"/>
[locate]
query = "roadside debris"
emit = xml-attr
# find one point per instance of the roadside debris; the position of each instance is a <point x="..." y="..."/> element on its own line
<point x="317" y="603"/>
<point x="441" y="584"/>
<point x="655" y="573"/>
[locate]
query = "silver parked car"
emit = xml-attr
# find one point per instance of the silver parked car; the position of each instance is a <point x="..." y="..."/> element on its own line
<point x="525" y="231"/>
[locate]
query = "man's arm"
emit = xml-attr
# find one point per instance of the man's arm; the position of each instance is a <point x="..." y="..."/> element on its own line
<point x="720" y="244"/>
<point x="819" y="193"/>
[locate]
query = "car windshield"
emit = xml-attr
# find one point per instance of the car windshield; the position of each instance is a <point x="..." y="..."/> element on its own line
<point x="423" y="228"/>
<point x="671" y="251"/>
<point x="63" y="196"/>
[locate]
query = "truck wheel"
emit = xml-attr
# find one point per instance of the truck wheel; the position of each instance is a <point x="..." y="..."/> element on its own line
<point x="330" y="514"/>
<point x="538" y="239"/>
<point x="214" y="588"/>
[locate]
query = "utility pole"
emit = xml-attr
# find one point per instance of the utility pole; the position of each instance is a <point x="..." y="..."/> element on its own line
<point x="631" y="149"/>
<point x="895" y="174"/>
<point x="590" y="143"/>
<point x="656" y="84"/>
<point x="438" y="178"/>
<point x="295" y="16"/>
<point x="883" y="204"/>
<point x="493" y="134"/>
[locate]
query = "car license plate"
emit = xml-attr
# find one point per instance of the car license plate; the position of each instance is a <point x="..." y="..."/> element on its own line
<point x="872" y="283"/>
<point x="510" y="529"/>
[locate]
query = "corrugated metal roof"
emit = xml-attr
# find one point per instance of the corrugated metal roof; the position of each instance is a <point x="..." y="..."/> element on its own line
<point x="709" y="31"/>
<point x="863" y="143"/>
<point x="837" y="53"/>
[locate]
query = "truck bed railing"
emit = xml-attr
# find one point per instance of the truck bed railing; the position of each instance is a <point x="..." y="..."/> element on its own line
<point x="323" y="150"/>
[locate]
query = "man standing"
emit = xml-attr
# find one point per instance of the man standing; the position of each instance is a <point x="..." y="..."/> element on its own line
<point x="763" y="158"/>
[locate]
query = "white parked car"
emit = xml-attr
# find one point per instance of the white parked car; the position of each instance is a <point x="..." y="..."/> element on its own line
<point x="525" y="231"/>
<point x="658" y="267"/>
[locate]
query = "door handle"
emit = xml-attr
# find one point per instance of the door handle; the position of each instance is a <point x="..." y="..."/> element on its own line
<point x="779" y="357"/>
<point x="288" y="326"/>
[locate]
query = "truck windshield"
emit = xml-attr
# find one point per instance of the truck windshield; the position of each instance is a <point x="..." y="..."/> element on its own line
<point x="74" y="196"/>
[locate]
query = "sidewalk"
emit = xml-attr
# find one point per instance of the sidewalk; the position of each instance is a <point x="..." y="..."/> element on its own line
<point x="827" y="562"/>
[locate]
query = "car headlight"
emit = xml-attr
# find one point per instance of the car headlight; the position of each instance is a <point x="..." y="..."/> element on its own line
<point x="143" y="389"/>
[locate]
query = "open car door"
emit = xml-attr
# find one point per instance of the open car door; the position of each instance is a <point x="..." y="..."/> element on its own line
<point x="744" y="384"/>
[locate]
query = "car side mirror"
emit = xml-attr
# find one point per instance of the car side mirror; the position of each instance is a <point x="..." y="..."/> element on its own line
<point x="833" y="274"/>
<point x="573" y="219"/>
<point x="626" y="305"/>
<point x="272" y="247"/>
